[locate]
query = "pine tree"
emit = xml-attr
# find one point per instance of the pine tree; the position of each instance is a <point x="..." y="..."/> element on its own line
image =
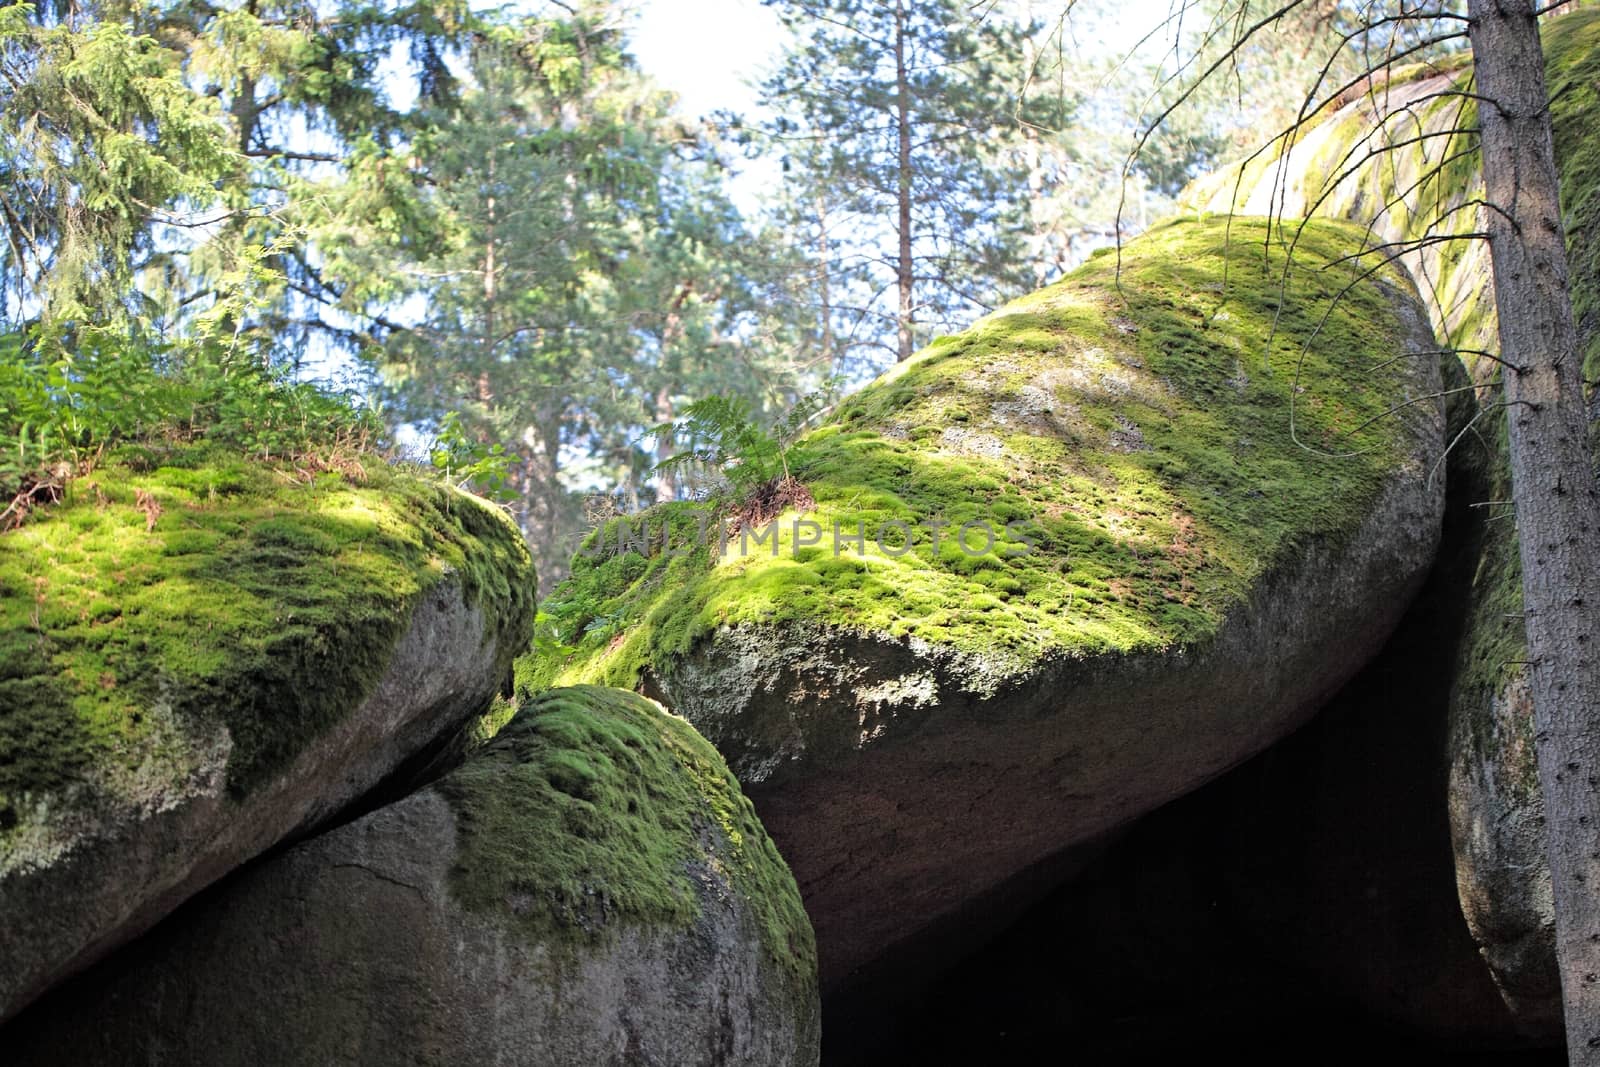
<point x="1554" y="489"/>
<point x="897" y="122"/>
<point x="170" y="168"/>
<point x="580" y="276"/>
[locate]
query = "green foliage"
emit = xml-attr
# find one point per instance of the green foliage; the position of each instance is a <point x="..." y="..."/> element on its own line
<point x="546" y="639"/>
<point x="592" y="808"/>
<point x="469" y="463"/>
<point x="722" y="436"/>
<point x="193" y="170"/>
<point x="98" y="132"/>
<point x="240" y="179"/>
<point x="839" y="99"/>
<point x="1138" y="429"/>
<point x="554" y="141"/>
<point x="62" y="411"/>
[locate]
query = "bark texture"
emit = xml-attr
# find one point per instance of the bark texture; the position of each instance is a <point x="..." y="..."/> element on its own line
<point x="905" y="272"/>
<point x="1555" y="493"/>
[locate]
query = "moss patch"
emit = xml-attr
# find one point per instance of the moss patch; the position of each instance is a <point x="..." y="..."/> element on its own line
<point x="1140" y="437"/>
<point x="149" y="608"/>
<point x="1572" y="70"/>
<point x="1455" y="279"/>
<point x="591" y="807"/>
<point x="1496" y="643"/>
<point x="1438" y="172"/>
<point x="1460" y="285"/>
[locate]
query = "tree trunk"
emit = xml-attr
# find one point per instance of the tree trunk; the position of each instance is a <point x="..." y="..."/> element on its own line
<point x="542" y="494"/>
<point x="666" y="481"/>
<point x="491" y="268"/>
<point x="1557" y="498"/>
<point x="671" y="333"/>
<point x="823" y="271"/>
<point x="905" y="276"/>
<point x="246" y="112"/>
<point x="1033" y="160"/>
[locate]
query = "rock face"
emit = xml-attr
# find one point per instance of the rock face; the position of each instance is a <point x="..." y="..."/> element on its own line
<point x="1495" y="805"/>
<point x="1328" y="174"/>
<point x="1502" y="874"/>
<point x="590" y="888"/>
<point x="919" y="727"/>
<point x="1310" y="890"/>
<point x="217" y="661"/>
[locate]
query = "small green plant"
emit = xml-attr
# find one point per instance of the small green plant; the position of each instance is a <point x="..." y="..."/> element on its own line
<point x="720" y="435"/>
<point x="547" y="640"/>
<point x="64" y="407"/>
<point x="469" y="463"/>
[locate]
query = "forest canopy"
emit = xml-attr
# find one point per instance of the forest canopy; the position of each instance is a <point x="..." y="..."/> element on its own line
<point x="486" y="235"/>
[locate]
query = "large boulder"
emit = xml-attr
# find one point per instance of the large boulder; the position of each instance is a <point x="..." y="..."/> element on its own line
<point x="1399" y="156"/>
<point x="590" y="888"/>
<point x="1224" y="473"/>
<point x="1496" y="808"/>
<point x="197" y="663"/>
<point x="1312" y="890"/>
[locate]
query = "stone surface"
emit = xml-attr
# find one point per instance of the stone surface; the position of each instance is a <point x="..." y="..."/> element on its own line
<point x="1311" y="890"/>
<point x="154" y="816"/>
<point x="1495" y="805"/>
<point x="1502" y="875"/>
<point x="919" y="729"/>
<point x="493" y="918"/>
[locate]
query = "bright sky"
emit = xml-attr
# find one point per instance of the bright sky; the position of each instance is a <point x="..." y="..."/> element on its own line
<point x="708" y="51"/>
<point x="711" y="51"/>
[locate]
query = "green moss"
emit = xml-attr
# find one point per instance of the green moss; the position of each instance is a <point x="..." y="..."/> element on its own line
<point x="1572" y="61"/>
<point x="1494" y="646"/>
<point x="1143" y="434"/>
<point x="1454" y="277"/>
<point x="251" y="600"/>
<point x="590" y="808"/>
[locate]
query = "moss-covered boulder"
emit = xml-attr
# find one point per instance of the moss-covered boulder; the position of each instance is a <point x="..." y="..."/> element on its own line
<point x="198" y="662"/>
<point x="1310" y="890"/>
<point x="1224" y="476"/>
<point x="590" y="888"/>
<point x="1338" y="169"/>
